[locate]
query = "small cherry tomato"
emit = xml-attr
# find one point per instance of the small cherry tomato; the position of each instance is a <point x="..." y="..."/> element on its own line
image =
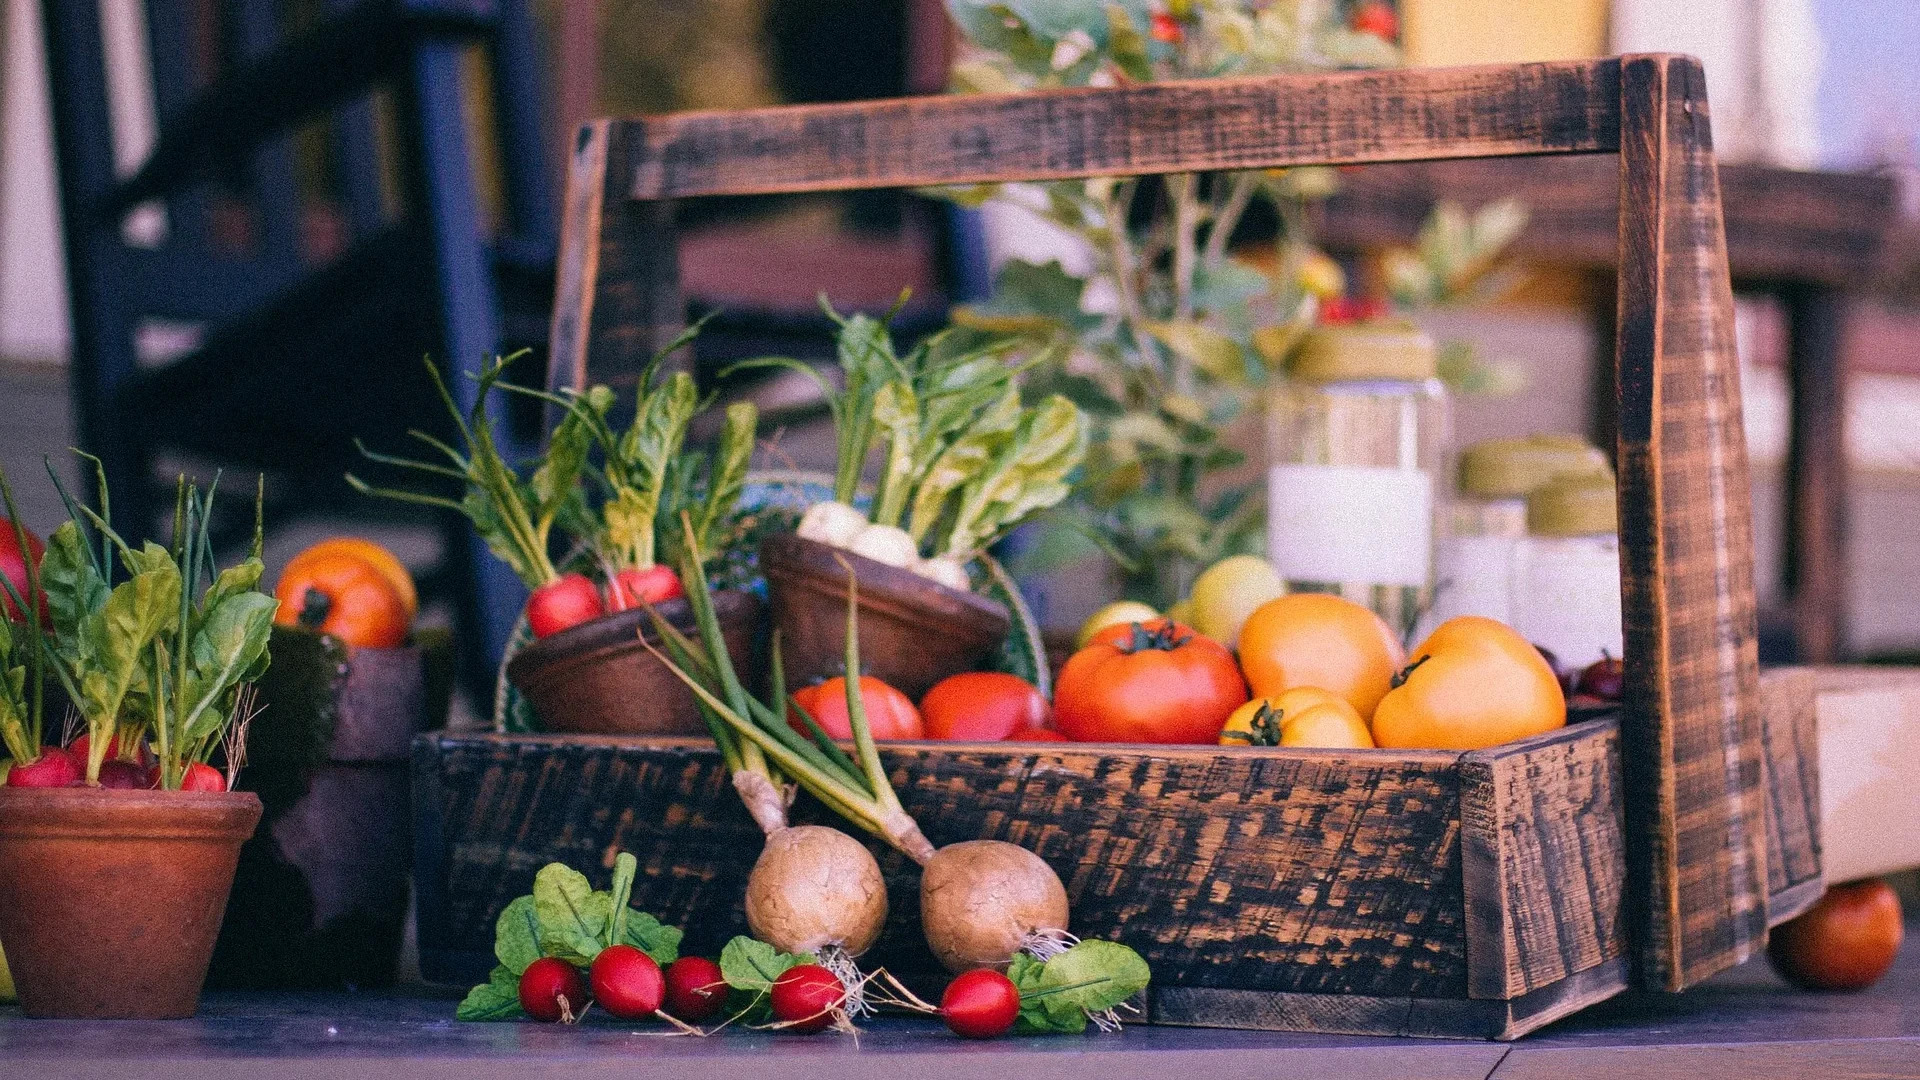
<point x="982" y="706"/>
<point x="566" y="601"/>
<point x="890" y="713"/>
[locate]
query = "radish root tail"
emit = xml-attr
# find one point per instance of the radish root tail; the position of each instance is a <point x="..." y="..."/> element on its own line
<point x="836" y="960"/>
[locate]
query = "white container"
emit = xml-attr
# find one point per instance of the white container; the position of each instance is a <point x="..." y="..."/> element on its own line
<point x="1356" y="439"/>
<point x="1567" y="588"/>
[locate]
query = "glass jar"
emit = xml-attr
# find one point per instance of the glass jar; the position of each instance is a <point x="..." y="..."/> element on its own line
<point x="1477" y="556"/>
<point x="1567" y="594"/>
<point x="1355" y="440"/>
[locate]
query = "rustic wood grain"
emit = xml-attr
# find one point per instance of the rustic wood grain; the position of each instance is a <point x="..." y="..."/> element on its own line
<point x="1352" y="1014"/>
<point x="1791" y="729"/>
<point x="1346" y="117"/>
<point x="1543" y="859"/>
<point x="1275" y="869"/>
<point x="617" y="294"/>
<point x="1691" y="728"/>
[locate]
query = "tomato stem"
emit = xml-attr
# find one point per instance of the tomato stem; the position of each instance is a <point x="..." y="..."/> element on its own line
<point x="1400" y="678"/>
<point x="315" y="606"/>
<point x="1164" y="636"/>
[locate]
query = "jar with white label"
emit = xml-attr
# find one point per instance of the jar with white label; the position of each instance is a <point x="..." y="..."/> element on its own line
<point x="1567" y="596"/>
<point x="1356" y="438"/>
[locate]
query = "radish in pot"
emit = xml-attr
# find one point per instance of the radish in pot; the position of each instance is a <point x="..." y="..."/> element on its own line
<point x="832" y="523"/>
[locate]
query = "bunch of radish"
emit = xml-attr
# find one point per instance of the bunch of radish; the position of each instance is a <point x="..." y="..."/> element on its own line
<point x="984" y="903"/>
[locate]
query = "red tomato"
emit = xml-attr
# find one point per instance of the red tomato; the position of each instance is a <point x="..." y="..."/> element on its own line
<point x="890" y="713"/>
<point x="982" y="706"/>
<point x="632" y="588"/>
<point x="1036" y="734"/>
<point x="1156" y="682"/>
<point x="566" y="601"/>
<point x="15" y="569"/>
<point x="1844" y="942"/>
<point x="1166" y="28"/>
<point x="1377" y="18"/>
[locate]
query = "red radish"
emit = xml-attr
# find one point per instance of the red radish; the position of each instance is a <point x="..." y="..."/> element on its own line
<point x="807" y="998"/>
<point x="626" y="982"/>
<point x="980" y="1004"/>
<point x="125" y="776"/>
<point x="1036" y="734"/>
<point x="695" y="988"/>
<point x="15" y="570"/>
<point x="632" y="588"/>
<point x="201" y="776"/>
<point x="79" y="747"/>
<point x="550" y="989"/>
<point x="567" y="600"/>
<point x="53" y="768"/>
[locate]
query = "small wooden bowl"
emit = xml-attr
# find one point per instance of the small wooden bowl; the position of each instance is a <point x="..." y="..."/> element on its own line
<point x="913" y="632"/>
<point x="597" y="679"/>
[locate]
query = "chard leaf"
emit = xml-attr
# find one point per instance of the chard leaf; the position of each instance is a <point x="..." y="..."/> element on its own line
<point x="516" y="936"/>
<point x="74" y="588"/>
<point x="118" y="634"/>
<point x="729" y="477"/>
<point x="1093" y="976"/>
<point x="572" y="916"/>
<point x="496" y="999"/>
<point x="752" y="965"/>
<point x="557" y="479"/>
<point x="230" y="644"/>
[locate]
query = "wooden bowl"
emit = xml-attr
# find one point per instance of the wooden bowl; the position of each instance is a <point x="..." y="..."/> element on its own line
<point x="597" y="679"/>
<point x="913" y="632"/>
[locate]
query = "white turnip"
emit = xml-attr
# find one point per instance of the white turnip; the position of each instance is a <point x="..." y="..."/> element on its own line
<point x="833" y="523"/>
<point x="982" y="901"/>
<point x="813" y="889"/>
<point x="946" y="570"/>
<point x="888" y="544"/>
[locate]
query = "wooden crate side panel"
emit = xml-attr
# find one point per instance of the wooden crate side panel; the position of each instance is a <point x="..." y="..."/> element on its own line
<point x="1543" y="855"/>
<point x="1265" y="122"/>
<point x="1691" y="729"/>
<point x="1790" y="726"/>
<point x="1322" y="873"/>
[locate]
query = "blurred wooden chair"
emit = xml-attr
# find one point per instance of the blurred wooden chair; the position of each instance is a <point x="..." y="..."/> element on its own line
<point x="337" y="189"/>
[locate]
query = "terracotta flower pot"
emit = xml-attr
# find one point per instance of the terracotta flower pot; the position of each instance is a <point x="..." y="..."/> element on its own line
<point x="913" y="632"/>
<point x="597" y="679"/>
<point x="110" y="900"/>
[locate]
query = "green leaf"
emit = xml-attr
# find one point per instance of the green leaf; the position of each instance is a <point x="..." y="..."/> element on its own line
<point x="752" y="965"/>
<point x="118" y="634"/>
<point x="572" y="916"/>
<point x="1093" y="976"/>
<point x="231" y="643"/>
<point x="732" y="456"/>
<point x="516" y="935"/>
<point x="624" y="868"/>
<point x="496" y="999"/>
<point x="74" y="587"/>
<point x="1028" y="976"/>
<point x="645" y="933"/>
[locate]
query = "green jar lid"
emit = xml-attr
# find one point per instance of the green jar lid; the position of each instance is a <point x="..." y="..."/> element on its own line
<point x="1512" y="468"/>
<point x="1574" y="506"/>
<point x="1381" y="350"/>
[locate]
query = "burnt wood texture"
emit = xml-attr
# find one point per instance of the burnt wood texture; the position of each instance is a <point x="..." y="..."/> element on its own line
<point x="1689" y="769"/>
<point x="1790" y="725"/>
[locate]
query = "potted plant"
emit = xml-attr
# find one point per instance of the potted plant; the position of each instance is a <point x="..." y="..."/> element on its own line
<point x="963" y="461"/>
<point x="614" y="492"/>
<point x="117" y="852"/>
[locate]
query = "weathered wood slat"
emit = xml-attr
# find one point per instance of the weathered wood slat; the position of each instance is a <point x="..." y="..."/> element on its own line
<point x="1791" y="728"/>
<point x="1691" y="728"/>
<point x="617" y="294"/>
<point x="1307" y="871"/>
<point x="1347" y="117"/>
<point x="1543" y="860"/>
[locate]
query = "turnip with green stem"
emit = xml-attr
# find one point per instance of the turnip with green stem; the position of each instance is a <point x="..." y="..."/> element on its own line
<point x="982" y="901"/>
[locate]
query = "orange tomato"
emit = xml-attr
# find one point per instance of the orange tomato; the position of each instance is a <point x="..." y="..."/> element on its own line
<point x="1473" y="683"/>
<point x="1239" y="730"/>
<point x="890" y="713"/>
<point x="344" y="596"/>
<point x="1314" y="639"/>
<point x="370" y="553"/>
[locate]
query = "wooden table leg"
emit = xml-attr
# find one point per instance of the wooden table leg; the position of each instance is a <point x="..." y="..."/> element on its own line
<point x="1816" y="552"/>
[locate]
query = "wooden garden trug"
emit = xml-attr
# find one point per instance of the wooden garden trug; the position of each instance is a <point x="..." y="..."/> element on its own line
<point x="1382" y="892"/>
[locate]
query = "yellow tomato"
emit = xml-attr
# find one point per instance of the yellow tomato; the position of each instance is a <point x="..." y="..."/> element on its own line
<point x="1285" y="706"/>
<point x="1313" y="639"/>
<point x="1229" y="591"/>
<point x="1116" y="613"/>
<point x="1182" y="611"/>
<point x="1472" y="684"/>
<point x="1329" y="724"/>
